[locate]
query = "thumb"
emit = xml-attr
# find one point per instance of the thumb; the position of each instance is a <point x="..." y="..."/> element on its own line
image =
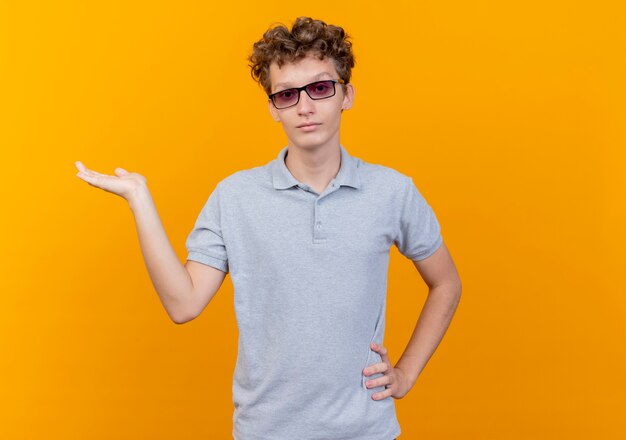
<point x="121" y="172"/>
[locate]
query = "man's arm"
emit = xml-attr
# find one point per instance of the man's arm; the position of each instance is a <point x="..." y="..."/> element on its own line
<point x="206" y="282"/>
<point x="439" y="273"/>
<point x="184" y="290"/>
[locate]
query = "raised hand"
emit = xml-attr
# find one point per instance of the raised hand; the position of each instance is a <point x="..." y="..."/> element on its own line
<point x="396" y="382"/>
<point x="124" y="184"/>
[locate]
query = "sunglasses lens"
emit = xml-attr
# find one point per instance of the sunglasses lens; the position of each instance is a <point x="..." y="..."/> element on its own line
<point x="321" y="89"/>
<point x="286" y="98"/>
<point x="316" y="90"/>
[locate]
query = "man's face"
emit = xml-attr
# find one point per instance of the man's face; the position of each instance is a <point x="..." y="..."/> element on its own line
<point x="325" y="113"/>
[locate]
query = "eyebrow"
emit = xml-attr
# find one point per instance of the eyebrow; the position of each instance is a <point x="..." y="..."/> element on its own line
<point x="288" y="84"/>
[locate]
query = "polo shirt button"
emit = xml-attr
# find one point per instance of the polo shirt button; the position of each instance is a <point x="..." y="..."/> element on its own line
<point x="319" y="225"/>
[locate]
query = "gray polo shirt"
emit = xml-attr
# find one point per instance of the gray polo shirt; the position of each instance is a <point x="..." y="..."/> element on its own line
<point x="309" y="273"/>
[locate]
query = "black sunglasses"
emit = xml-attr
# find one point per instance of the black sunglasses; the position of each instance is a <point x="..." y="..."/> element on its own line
<point x="316" y="90"/>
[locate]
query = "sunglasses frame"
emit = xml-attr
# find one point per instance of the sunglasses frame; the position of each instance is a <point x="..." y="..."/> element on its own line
<point x="298" y="90"/>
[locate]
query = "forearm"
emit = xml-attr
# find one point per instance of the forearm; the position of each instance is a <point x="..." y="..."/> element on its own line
<point x="431" y="325"/>
<point x="169" y="277"/>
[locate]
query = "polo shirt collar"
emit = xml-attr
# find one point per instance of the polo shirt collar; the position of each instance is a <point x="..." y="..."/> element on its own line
<point x="348" y="171"/>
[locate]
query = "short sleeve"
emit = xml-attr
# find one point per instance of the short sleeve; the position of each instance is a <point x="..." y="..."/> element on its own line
<point x="419" y="233"/>
<point x="205" y="243"/>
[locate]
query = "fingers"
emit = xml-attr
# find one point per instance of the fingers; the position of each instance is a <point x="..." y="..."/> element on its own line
<point x="85" y="173"/>
<point x="379" y="349"/>
<point x="383" y="394"/>
<point x="386" y="381"/>
<point x="89" y="176"/>
<point x="380" y="367"/>
<point x="379" y="382"/>
<point x="92" y="177"/>
<point x="382" y="351"/>
<point x="123" y="183"/>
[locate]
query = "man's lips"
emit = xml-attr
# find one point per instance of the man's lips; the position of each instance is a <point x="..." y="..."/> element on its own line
<point x="308" y="124"/>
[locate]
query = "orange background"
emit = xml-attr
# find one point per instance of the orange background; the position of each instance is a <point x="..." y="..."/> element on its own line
<point x="509" y="116"/>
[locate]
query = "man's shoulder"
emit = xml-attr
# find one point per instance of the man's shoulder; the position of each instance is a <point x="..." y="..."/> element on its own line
<point x="246" y="178"/>
<point x="382" y="175"/>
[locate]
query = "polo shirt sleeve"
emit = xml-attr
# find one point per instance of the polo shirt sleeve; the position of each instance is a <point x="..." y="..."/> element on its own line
<point x="419" y="233"/>
<point x="205" y="243"/>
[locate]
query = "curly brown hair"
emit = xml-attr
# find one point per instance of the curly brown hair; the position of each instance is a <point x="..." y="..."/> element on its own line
<point x="307" y="36"/>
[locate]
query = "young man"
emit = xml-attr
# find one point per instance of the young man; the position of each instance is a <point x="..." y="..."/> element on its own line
<point x="306" y="239"/>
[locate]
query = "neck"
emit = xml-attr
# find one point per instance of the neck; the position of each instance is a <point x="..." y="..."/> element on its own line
<point x="315" y="167"/>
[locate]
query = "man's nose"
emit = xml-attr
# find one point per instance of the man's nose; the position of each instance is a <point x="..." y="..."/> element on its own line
<point x="305" y="103"/>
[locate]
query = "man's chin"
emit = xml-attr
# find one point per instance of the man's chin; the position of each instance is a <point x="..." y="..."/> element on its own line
<point x="309" y="142"/>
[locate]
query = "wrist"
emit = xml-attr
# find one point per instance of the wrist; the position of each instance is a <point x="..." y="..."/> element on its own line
<point x="140" y="196"/>
<point x="409" y="375"/>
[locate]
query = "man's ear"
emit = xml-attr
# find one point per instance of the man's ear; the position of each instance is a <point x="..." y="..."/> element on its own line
<point x="273" y="110"/>
<point x="348" y="97"/>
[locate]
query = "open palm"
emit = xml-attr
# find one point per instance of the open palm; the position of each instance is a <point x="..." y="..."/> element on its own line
<point x="123" y="184"/>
